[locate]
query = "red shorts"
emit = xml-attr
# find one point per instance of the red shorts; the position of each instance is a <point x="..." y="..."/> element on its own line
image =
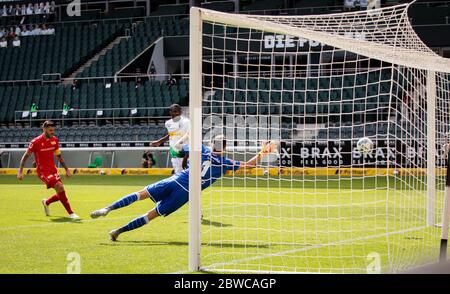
<point x="50" y="179"/>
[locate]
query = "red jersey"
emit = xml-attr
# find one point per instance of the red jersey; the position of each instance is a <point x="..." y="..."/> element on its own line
<point x="44" y="150"/>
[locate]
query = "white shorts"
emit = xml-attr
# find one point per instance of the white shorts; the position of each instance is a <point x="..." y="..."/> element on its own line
<point x="177" y="164"/>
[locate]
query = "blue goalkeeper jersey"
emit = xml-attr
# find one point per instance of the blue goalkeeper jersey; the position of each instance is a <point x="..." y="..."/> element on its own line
<point x="213" y="168"/>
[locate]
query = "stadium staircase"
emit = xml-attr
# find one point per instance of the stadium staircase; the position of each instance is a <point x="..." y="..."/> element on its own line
<point x="126" y="50"/>
<point x="95" y="58"/>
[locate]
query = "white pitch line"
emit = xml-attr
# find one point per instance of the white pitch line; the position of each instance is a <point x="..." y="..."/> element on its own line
<point x="281" y="253"/>
<point x="178" y="273"/>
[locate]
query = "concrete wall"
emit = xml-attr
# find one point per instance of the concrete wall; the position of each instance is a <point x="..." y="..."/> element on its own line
<point x="81" y="158"/>
<point x="158" y="60"/>
<point x="122" y="159"/>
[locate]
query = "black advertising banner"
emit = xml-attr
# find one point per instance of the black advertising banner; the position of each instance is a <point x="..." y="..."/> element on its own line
<point x="343" y="153"/>
<point x="83" y="145"/>
<point x="315" y="153"/>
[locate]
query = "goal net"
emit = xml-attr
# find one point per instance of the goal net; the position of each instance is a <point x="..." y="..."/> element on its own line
<point x="317" y="84"/>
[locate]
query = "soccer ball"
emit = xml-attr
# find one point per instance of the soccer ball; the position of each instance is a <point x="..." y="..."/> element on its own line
<point x="364" y="145"/>
<point x="102" y="172"/>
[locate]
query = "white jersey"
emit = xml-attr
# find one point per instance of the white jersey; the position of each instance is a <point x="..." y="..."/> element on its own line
<point x="177" y="129"/>
<point x="349" y="3"/>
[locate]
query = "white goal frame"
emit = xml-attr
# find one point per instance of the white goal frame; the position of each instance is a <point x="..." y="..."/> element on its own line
<point x="403" y="56"/>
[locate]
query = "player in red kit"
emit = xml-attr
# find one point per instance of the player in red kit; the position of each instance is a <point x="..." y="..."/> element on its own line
<point x="44" y="147"/>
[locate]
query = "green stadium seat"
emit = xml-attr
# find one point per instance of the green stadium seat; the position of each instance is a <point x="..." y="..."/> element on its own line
<point x="300" y="84"/>
<point x="322" y="108"/>
<point x="44" y="50"/>
<point x="299" y="97"/>
<point x="311" y="96"/>
<point x="349" y="81"/>
<point x="224" y="6"/>
<point x="171" y="9"/>
<point x="312" y="84"/>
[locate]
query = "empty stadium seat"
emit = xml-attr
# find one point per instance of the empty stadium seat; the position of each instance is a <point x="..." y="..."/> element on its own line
<point x="171" y="9"/>
<point x="224" y="6"/>
<point x="128" y="48"/>
<point x="60" y="53"/>
<point x="116" y="101"/>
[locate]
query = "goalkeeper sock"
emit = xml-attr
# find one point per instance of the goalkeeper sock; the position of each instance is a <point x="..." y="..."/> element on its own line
<point x="134" y="224"/>
<point x="125" y="201"/>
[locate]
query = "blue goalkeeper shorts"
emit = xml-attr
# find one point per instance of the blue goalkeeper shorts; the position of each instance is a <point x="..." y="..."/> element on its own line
<point x="168" y="196"/>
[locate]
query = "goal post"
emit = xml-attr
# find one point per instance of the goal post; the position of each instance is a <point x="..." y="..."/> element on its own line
<point x="317" y="84"/>
<point x="431" y="147"/>
<point x="195" y="141"/>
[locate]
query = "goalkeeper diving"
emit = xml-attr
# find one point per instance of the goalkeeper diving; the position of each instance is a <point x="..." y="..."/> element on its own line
<point x="172" y="193"/>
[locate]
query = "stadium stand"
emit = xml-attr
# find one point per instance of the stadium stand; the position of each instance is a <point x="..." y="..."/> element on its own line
<point x="108" y="133"/>
<point x="171" y="9"/>
<point x="60" y="53"/>
<point x="92" y="133"/>
<point x="126" y="12"/>
<point x="146" y="33"/>
<point x="31" y="8"/>
<point x="78" y="39"/>
<point x="262" y="5"/>
<point x="158" y="94"/>
<point x="303" y="93"/>
<point x="151" y="100"/>
<point x="425" y="14"/>
<point x="314" y="3"/>
<point x="88" y="14"/>
<point x="26" y="14"/>
<point x="224" y="6"/>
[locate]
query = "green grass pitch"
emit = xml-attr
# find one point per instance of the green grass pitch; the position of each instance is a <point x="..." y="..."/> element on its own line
<point x="248" y="225"/>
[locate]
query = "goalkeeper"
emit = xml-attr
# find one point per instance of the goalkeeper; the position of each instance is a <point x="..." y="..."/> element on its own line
<point x="172" y="193"/>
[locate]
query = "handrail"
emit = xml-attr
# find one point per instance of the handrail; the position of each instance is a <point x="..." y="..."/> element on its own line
<point x="116" y="20"/>
<point x="21" y="15"/>
<point x="104" y="78"/>
<point x="77" y="114"/>
<point x="301" y="73"/>
<point x="95" y="109"/>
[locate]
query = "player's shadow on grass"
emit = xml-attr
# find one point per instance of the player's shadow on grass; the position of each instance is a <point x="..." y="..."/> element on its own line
<point x="63" y="219"/>
<point x="175" y="243"/>
<point x="207" y="222"/>
<point x="59" y="219"/>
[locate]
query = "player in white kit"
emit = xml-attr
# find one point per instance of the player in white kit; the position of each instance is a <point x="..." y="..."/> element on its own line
<point x="176" y="127"/>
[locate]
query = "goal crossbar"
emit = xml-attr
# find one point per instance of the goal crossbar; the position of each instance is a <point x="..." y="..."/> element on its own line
<point x="411" y="53"/>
